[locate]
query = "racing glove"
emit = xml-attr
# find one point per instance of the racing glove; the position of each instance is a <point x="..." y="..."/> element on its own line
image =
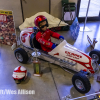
<point x="53" y="46"/>
<point x="61" y="37"/>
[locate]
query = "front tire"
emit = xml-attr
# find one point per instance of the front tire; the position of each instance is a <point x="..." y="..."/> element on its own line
<point x="81" y="83"/>
<point x="21" y="55"/>
<point x="95" y="55"/>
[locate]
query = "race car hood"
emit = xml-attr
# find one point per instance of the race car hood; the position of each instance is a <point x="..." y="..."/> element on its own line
<point x="66" y="51"/>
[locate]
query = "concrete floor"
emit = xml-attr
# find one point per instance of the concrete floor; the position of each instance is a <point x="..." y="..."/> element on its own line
<point x="55" y="83"/>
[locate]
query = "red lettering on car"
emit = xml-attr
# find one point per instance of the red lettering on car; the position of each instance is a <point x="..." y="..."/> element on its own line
<point x="23" y="37"/>
<point x="76" y="56"/>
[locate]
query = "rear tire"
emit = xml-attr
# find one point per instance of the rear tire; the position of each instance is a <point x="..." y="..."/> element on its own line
<point x="95" y="54"/>
<point x="21" y="55"/>
<point x="81" y="83"/>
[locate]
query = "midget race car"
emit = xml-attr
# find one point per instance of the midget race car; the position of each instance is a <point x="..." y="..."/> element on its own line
<point x="64" y="55"/>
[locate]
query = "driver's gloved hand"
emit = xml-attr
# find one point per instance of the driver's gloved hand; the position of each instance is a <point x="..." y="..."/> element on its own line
<point x="61" y="37"/>
<point x="53" y="46"/>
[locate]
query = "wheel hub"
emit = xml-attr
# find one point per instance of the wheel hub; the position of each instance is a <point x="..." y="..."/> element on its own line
<point x="95" y="57"/>
<point x="19" y="57"/>
<point x="79" y="84"/>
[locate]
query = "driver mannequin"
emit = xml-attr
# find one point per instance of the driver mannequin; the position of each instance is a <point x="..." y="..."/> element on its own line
<point x="44" y="34"/>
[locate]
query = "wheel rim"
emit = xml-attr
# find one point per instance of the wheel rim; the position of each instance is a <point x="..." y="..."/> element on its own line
<point x="79" y="84"/>
<point x="95" y="57"/>
<point x="19" y="57"/>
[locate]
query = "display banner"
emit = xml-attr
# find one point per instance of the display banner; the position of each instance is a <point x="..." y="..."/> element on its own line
<point x="7" y="29"/>
<point x="74" y="29"/>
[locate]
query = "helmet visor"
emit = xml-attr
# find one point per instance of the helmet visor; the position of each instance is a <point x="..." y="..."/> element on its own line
<point x="44" y="26"/>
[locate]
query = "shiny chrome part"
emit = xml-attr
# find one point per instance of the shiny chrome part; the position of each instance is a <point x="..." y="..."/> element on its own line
<point x="19" y="57"/>
<point x="95" y="57"/>
<point x="63" y="63"/>
<point x="68" y="97"/>
<point x="95" y="66"/>
<point x="79" y="84"/>
<point x="34" y="54"/>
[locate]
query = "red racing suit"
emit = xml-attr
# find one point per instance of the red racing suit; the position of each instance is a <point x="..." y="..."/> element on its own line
<point x="44" y="39"/>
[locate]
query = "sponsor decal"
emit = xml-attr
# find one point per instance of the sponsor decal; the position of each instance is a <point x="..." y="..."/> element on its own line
<point x="47" y="43"/>
<point x="43" y="35"/>
<point x="41" y="41"/>
<point x="23" y="37"/>
<point x="49" y="39"/>
<point x="56" y="54"/>
<point x="73" y="55"/>
<point x="83" y="63"/>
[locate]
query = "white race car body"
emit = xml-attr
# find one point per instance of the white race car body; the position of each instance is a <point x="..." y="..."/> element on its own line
<point x="69" y="53"/>
<point x="65" y="53"/>
<point x="25" y="36"/>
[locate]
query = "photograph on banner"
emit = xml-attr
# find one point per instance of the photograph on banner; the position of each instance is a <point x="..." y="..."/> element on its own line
<point x="7" y="28"/>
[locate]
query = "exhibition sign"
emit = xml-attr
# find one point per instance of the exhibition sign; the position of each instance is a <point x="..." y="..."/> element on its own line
<point x="74" y="29"/>
<point x="7" y="28"/>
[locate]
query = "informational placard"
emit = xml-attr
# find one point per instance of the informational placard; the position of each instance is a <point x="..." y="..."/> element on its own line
<point x="74" y="29"/>
<point x="7" y="29"/>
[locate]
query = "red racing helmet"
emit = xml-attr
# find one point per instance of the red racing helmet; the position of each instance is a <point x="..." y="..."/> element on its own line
<point x="19" y="74"/>
<point x="40" y="19"/>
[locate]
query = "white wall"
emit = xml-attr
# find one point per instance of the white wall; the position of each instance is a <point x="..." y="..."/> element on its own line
<point x="15" y="6"/>
<point x="73" y="1"/>
<point x="56" y="7"/>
